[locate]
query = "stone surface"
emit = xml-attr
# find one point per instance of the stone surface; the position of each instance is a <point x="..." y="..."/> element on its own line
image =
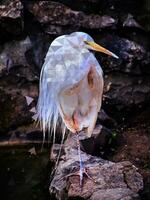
<point x="127" y="94"/>
<point x="39" y="46"/>
<point x="15" y="85"/>
<point x="11" y="9"/>
<point x="106" y="120"/>
<point x="113" y="180"/>
<point x="136" y="148"/>
<point x="99" y="143"/>
<point x="131" y="22"/>
<point x="133" y="56"/>
<point x="59" y="15"/>
<point x="126" y="77"/>
<point x="11" y="22"/>
<point x="12" y="106"/>
<point x="13" y="54"/>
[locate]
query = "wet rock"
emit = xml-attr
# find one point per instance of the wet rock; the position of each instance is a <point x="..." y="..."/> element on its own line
<point x="10" y="18"/>
<point x="113" y="180"/>
<point x="58" y="15"/>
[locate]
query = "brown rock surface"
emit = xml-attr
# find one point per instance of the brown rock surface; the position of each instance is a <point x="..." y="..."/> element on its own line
<point x="114" y="181"/>
<point x="11" y="22"/>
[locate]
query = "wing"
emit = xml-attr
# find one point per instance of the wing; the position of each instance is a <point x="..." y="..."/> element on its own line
<point x="79" y="104"/>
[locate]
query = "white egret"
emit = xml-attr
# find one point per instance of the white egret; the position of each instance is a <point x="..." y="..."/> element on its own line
<point x="71" y="86"/>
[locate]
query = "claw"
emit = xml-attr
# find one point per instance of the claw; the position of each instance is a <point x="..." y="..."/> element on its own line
<point x="78" y="173"/>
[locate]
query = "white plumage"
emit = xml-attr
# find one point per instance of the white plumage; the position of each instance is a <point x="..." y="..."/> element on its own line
<point x="71" y="84"/>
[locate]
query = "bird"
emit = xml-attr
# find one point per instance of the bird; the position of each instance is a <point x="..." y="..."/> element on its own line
<point x="71" y="87"/>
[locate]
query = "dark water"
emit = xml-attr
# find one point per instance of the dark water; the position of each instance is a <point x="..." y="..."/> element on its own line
<point x="22" y="175"/>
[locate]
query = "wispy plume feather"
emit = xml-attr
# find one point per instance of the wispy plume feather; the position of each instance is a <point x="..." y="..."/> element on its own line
<point x="47" y="107"/>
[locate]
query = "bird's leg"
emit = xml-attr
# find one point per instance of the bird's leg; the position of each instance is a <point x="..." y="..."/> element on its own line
<point x="82" y="167"/>
<point x="82" y="171"/>
<point x="80" y="161"/>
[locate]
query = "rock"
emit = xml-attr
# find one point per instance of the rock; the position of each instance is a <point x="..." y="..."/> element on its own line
<point x="54" y="17"/>
<point x="131" y="22"/>
<point x="13" y="111"/>
<point x="11" y="10"/>
<point x="126" y="77"/>
<point x="40" y="44"/>
<point x="98" y="143"/>
<point x="136" y="148"/>
<point x="128" y="95"/>
<point x="113" y="180"/>
<point x="145" y="21"/>
<point x="105" y="120"/>
<point x="105" y="6"/>
<point x="23" y="135"/>
<point x="30" y="133"/>
<point x="132" y="56"/>
<point x="10" y="18"/>
<point x="13" y="54"/>
<point x="88" y="6"/>
<point x="14" y="86"/>
<point x="112" y="194"/>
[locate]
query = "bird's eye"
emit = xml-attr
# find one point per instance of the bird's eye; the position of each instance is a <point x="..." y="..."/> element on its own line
<point x="88" y="45"/>
<point x="86" y="42"/>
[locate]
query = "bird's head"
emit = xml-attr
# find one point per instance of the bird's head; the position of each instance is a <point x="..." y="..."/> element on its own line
<point x="81" y="40"/>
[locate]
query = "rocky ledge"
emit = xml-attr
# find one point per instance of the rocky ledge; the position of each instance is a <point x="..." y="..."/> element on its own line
<point x="113" y="181"/>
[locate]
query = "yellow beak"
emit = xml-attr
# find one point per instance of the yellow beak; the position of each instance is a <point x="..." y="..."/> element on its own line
<point x="97" y="47"/>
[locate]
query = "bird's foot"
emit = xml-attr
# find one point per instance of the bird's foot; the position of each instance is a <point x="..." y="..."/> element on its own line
<point x="82" y="173"/>
<point x="88" y="175"/>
